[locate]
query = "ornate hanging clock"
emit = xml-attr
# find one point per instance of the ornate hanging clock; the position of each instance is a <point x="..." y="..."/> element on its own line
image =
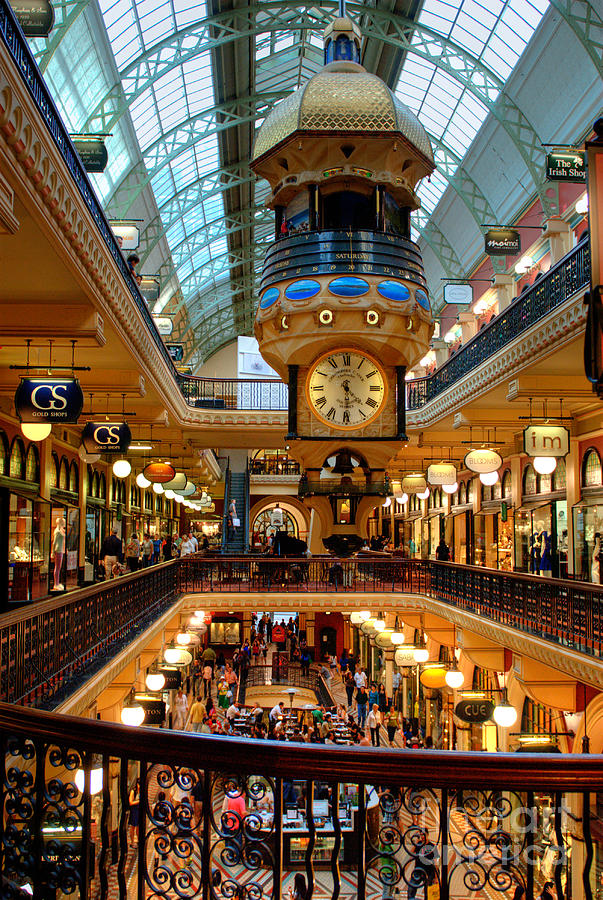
<point x="346" y="389"/>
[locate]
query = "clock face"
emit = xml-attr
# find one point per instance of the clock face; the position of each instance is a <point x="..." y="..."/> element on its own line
<point x="346" y="389"/>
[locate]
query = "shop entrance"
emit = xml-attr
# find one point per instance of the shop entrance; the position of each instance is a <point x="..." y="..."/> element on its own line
<point x="328" y="641"/>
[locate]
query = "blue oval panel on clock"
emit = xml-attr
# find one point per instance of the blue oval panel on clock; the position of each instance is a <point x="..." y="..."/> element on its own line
<point x="422" y="299"/>
<point x="269" y="297"/>
<point x="348" y="287"/>
<point x="393" y="290"/>
<point x="302" y="290"/>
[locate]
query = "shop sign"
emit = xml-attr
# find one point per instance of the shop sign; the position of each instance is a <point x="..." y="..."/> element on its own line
<point x="566" y="165"/>
<point x="159" y="472"/>
<point x="502" y="241"/>
<point x="92" y="152"/>
<point x="127" y="236"/>
<point x="441" y="473"/>
<point x="36" y="17"/>
<point x="546" y="440"/>
<point x="504" y="510"/>
<point x="475" y="712"/>
<point x="164" y="325"/>
<point x="49" y="400"/>
<point x="154" y="710"/>
<point x="106" y="437"/>
<point x="405" y="655"/>
<point x="150" y="288"/>
<point x="414" y="484"/>
<point x="483" y="461"/>
<point x="173" y="678"/>
<point x="176" y="352"/>
<point x="459" y="294"/>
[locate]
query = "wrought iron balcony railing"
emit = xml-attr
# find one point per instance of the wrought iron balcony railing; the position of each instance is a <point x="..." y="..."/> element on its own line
<point x="330" y="488"/>
<point x="94" y="809"/>
<point x="48" y="649"/>
<point x="234" y="393"/>
<point x="570" y="275"/>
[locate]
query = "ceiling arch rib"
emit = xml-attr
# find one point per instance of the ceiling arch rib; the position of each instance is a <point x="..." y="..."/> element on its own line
<point x="587" y="25"/>
<point x="404" y="34"/>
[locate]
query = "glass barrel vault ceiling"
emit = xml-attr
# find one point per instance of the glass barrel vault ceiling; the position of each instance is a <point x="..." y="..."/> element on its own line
<point x="161" y="110"/>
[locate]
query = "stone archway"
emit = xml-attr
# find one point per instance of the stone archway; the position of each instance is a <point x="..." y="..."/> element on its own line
<point x="291" y="505"/>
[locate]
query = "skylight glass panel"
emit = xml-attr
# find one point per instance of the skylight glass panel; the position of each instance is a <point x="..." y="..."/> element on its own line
<point x="495" y="33"/>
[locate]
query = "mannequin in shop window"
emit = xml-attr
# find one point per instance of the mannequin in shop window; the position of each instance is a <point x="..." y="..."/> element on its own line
<point x="595" y="563"/>
<point x="545" y="553"/>
<point x="535" y="552"/>
<point x="58" y="550"/>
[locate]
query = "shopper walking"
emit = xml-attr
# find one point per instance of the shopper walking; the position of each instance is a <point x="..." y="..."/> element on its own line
<point x="111" y="552"/>
<point x="373" y="720"/>
<point x="132" y="553"/>
<point x="147" y="551"/>
<point x="361" y="703"/>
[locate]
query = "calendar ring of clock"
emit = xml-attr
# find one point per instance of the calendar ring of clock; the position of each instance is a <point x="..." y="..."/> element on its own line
<point x="346" y="388"/>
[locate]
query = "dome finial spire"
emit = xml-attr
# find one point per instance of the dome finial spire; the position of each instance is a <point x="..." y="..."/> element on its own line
<point x="342" y="39"/>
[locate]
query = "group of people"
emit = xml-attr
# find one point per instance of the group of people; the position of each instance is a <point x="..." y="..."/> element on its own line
<point x="117" y="557"/>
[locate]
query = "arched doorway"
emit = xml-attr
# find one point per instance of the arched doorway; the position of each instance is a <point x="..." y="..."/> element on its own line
<point x="261" y="527"/>
<point x="328" y="641"/>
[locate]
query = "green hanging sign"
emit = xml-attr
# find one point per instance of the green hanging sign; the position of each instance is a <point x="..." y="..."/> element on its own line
<point x="566" y="165"/>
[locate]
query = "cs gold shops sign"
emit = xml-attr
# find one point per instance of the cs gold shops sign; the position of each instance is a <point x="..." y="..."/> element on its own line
<point x="106" y="437"/>
<point x="49" y="400"/>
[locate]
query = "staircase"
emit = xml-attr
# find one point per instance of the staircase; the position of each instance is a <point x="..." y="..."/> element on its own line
<point x="237" y="484"/>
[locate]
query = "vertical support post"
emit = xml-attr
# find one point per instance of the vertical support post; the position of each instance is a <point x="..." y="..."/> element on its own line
<point x="313" y="207"/>
<point x="401" y="403"/>
<point x="292" y="409"/>
<point x="278" y="838"/>
<point x="360" y="851"/>
<point x="444" y="853"/>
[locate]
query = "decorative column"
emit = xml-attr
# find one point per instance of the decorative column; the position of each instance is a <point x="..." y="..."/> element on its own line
<point x="468" y="323"/>
<point x="389" y="672"/>
<point x="559" y="235"/>
<point x="310" y="630"/>
<point x="504" y="290"/>
<point x="246" y="625"/>
<point x="572" y="469"/>
<point x="441" y="352"/>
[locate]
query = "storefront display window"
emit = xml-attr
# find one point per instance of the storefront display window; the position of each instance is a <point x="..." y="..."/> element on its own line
<point x="225" y="632"/>
<point x="27" y="549"/>
<point x="16" y="466"/>
<point x="588" y="524"/>
<point x="65" y="530"/>
<point x="592" y="472"/>
<point x="538" y="529"/>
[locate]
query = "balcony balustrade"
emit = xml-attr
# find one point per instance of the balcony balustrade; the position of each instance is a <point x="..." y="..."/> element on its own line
<point x="49" y="648"/>
<point x="217" y="817"/>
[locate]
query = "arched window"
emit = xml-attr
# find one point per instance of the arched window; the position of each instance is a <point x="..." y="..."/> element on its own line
<point x="560" y="476"/>
<point x="74" y="478"/>
<point x="497" y="490"/>
<point x="54" y="471"/>
<point x="4" y="454"/>
<point x="592" y="475"/>
<point x="507" y="486"/>
<point x="102" y="487"/>
<point x="530" y="484"/>
<point x="63" y="475"/>
<point x="17" y="460"/>
<point x="486" y="492"/>
<point x="471" y="489"/>
<point x="463" y="493"/>
<point x="32" y="464"/>
<point x="114" y="491"/>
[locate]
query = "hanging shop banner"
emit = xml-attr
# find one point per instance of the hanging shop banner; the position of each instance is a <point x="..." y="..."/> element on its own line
<point x="154" y="709"/>
<point x="483" y="461"/>
<point x="459" y="294"/>
<point x="414" y="484"/>
<point x="159" y="472"/>
<point x="106" y="437"/>
<point x="92" y="152"/>
<point x="164" y="325"/>
<point x="566" y="165"/>
<point x="405" y="655"/>
<point x="546" y="440"/>
<point x="173" y="678"/>
<point x="149" y="287"/>
<point x="441" y="473"/>
<point x="49" y="400"/>
<point x="36" y="17"/>
<point x="502" y="241"/>
<point x="474" y="711"/>
<point x="127" y="236"/>
<point x="176" y="352"/>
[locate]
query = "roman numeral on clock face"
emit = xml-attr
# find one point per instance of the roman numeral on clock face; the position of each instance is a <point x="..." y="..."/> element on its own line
<point x="372" y="403"/>
<point x="346" y="359"/>
<point x="331" y="414"/>
<point x="321" y="402"/>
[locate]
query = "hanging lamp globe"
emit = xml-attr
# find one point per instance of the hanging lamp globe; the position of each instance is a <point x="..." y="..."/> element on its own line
<point x="504" y="714"/>
<point x="121" y="468"/>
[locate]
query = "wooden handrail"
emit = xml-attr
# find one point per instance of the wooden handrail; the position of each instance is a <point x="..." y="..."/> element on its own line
<point x="365" y="765"/>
